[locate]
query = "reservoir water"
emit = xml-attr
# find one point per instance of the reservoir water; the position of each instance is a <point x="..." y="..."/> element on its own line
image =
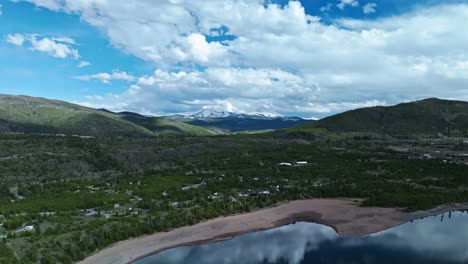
<point x="436" y="239"/>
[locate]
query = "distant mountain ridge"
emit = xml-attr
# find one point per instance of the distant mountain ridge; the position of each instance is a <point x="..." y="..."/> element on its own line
<point x="425" y="117"/>
<point x="226" y="122"/>
<point x="33" y="115"/>
<point x="247" y="123"/>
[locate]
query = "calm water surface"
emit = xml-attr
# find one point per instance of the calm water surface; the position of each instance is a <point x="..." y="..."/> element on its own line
<point x="438" y="239"/>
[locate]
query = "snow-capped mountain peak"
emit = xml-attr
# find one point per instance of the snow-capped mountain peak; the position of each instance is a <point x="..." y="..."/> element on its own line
<point x="207" y="113"/>
<point x="265" y="112"/>
<point x="210" y="113"/>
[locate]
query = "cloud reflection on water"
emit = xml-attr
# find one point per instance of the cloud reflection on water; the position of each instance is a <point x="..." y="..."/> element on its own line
<point x="428" y="240"/>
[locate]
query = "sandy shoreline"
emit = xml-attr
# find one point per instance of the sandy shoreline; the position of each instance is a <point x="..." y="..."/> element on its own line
<point x="345" y="216"/>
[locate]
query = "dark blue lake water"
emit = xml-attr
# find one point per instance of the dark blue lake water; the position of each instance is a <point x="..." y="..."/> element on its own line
<point x="438" y="239"/>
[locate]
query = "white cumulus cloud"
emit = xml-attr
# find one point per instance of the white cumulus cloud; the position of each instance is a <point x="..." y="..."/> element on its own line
<point x="15" y="39"/>
<point x="84" y="64"/>
<point x="369" y="8"/>
<point x="106" y="78"/>
<point x="65" y="40"/>
<point x="49" y="4"/>
<point x="343" y="3"/>
<point x="55" y="47"/>
<point x="326" y="8"/>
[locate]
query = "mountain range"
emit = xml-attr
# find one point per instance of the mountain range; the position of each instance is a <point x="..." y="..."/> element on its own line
<point x="209" y="113"/>
<point x="228" y="122"/>
<point x="33" y="115"/>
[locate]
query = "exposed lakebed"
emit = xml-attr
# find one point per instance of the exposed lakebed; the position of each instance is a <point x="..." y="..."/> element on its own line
<point x="436" y="239"/>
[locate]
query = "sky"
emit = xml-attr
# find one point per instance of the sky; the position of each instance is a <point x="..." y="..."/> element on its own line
<point x="308" y="58"/>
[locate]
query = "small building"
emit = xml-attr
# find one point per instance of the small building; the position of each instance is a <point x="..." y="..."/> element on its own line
<point x="232" y="199"/>
<point x="29" y="228"/>
<point x="91" y="214"/>
<point x="427" y="156"/>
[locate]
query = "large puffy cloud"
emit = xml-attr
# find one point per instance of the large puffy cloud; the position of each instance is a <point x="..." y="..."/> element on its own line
<point x="174" y="31"/>
<point x="324" y="68"/>
<point x="56" y="47"/>
<point x="221" y="88"/>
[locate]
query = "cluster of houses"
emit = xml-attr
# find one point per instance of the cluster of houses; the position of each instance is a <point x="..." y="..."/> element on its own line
<point x="447" y="157"/>
<point x="48" y="135"/>
<point x="251" y="193"/>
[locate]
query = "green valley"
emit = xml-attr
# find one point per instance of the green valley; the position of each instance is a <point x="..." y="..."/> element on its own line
<point x="63" y="197"/>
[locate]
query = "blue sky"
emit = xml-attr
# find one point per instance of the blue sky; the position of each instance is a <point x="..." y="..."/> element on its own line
<point x="37" y="74"/>
<point x="310" y="58"/>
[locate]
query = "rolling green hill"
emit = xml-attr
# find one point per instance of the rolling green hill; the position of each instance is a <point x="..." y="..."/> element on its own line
<point x="165" y="127"/>
<point x="426" y="117"/>
<point x="24" y="114"/>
